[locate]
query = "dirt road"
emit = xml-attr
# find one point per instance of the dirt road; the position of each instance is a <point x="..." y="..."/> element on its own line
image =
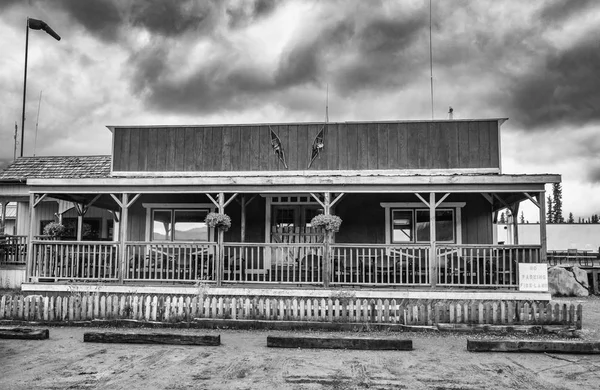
<point x="439" y="361"/>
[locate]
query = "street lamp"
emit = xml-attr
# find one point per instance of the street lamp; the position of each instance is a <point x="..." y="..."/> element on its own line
<point x="34" y="24"/>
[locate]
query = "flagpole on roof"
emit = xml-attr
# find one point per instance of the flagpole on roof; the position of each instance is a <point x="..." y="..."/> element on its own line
<point x="34" y="24"/>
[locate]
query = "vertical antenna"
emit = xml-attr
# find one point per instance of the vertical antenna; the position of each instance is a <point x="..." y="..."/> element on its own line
<point x="36" y="123"/>
<point x="16" y="141"/>
<point x="430" y="60"/>
<point x="327" y="105"/>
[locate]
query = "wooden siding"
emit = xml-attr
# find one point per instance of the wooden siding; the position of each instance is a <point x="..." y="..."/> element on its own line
<point x="374" y="145"/>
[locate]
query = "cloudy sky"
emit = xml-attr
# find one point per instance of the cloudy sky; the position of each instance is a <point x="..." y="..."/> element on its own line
<point x="196" y="62"/>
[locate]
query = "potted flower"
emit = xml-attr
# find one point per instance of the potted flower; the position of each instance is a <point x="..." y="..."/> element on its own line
<point x="54" y="230"/>
<point x="217" y="220"/>
<point x="328" y="223"/>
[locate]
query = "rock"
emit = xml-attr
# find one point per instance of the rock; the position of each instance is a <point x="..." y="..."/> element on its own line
<point x="568" y="282"/>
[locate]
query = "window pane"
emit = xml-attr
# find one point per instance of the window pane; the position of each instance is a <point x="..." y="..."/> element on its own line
<point x="161" y="225"/>
<point x="402" y="226"/>
<point x="444" y="225"/>
<point x="285" y="217"/>
<point x="309" y="214"/>
<point x="190" y="225"/>
<point x="422" y="226"/>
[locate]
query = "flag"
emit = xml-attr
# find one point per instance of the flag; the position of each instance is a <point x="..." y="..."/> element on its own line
<point x="36" y="24"/>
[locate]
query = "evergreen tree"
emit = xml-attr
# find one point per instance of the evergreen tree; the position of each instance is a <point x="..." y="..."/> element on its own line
<point x="502" y="217"/>
<point x="571" y="219"/>
<point x="557" y="206"/>
<point x="522" y="218"/>
<point x="549" y="210"/>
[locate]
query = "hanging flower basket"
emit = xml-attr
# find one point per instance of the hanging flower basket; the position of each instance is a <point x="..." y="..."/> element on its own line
<point x="329" y="223"/>
<point x="54" y="230"/>
<point x="219" y="221"/>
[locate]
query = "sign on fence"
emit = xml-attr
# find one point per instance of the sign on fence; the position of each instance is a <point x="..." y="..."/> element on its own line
<point x="533" y="277"/>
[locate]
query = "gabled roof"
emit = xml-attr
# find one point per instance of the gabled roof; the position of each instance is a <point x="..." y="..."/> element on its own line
<point x="57" y="167"/>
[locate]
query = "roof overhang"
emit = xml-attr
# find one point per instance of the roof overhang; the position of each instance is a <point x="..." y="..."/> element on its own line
<point x="333" y="181"/>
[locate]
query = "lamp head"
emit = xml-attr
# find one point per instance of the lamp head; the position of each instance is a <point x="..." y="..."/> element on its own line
<point x="36" y="24"/>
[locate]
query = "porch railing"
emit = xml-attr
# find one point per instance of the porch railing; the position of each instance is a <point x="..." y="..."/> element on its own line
<point x="181" y="261"/>
<point x="72" y="260"/>
<point x="273" y="263"/>
<point x="483" y="265"/>
<point x="372" y="264"/>
<point x="13" y="249"/>
<point x="475" y="266"/>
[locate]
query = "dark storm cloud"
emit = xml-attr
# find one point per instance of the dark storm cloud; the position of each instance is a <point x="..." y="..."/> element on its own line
<point x="101" y="18"/>
<point x="243" y="13"/>
<point x="560" y="10"/>
<point x="564" y="90"/>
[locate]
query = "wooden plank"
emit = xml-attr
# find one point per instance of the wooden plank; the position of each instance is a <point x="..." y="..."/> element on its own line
<point x="151" y="338"/>
<point x="463" y="145"/>
<point x="226" y="148"/>
<point x="179" y="149"/>
<point x="24" y="334"/>
<point x="392" y="147"/>
<point x="217" y="150"/>
<point x="153" y="149"/>
<point x="402" y="146"/>
<point x="412" y="145"/>
<point x="484" y="145"/>
<point x="134" y="149"/>
<point x="372" y="145"/>
<point x="124" y="154"/>
<point x="292" y="152"/>
<point x="255" y="148"/>
<point x="382" y="146"/>
<point x="362" y="343"/>
<point x="451" y="134"/>
<point x="353" y="146"/>
<point x="236" y="149"/>
<point x="284" y="136"/>
<point x="494" y="146"/>
<point x="545" y="346"/>
<point x="441" y="156"/>
<point x="161" y="150"/>
<point x="118" y="150"/>
<point x="189" y="149"/>
<point x="331" y="146"/>
<point x="207" y="150"/>
<point x="342" y="148"/>
<point x="362" y="137"/>
<point x="474" y="145"/>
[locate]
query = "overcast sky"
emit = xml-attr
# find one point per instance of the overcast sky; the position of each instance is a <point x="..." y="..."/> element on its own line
<point x="197" y="62"/>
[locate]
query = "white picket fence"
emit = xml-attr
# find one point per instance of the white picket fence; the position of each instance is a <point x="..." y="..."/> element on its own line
<point x="164" y="308"/>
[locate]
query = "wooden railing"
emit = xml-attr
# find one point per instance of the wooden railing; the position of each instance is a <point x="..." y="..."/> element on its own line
<point x="483" y="265"/>
<point x="13" y="249"/>
<point x="71" y="260"/>
<point x="372" y="264"/>
<point x="273" y="263"/>
<point x="574" y="257"/>
<point x="181" y="261"/>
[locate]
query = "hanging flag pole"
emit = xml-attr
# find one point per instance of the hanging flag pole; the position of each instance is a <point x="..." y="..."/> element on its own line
<point x="430" y="60"/>
<point x="33" y="24"/>
<point x="37" y="121"/>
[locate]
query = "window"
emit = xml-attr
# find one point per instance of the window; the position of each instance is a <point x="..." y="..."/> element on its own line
<point x="179" y="225"/>
<point x="412" y="225"/>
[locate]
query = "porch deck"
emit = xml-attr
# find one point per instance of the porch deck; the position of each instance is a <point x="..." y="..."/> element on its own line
<point x="315" y="264"/>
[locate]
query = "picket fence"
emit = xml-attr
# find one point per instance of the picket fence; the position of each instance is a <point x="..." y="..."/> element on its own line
<point x="164" y="308"/>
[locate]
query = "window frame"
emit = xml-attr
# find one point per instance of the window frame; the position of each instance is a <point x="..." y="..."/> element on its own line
<point x="172" y="208"/>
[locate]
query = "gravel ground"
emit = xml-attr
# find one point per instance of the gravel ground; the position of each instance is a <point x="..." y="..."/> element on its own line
<point x="438" y="361"/>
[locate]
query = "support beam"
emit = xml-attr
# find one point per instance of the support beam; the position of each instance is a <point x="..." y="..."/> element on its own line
<point x="543" y="243"/>
<point x="532" y="199"/>
<point x="327" y="242"/>
<point x="488" y="197"/>
<point x="433" y="263"/>
<point x="220" y="246"/>
<point x="243" y="203"/>
<point x="422" y="199"/>
<point x="439" y="202"/>
<point x="2" y="227"/>
<point x="318" y="200"/>
<point x="336" y="199"/>
<point x="514" y="209"/>
<point x="123" y="229"/>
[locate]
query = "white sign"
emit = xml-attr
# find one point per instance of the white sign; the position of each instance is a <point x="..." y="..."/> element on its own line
<point x="533" y="277"/>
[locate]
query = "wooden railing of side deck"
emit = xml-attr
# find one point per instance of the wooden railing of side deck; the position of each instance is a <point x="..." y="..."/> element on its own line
<point x="483" y="265"/>
<point x="13" y="249"/>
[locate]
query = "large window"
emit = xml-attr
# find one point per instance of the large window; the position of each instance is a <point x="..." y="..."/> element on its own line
<point x="412" y="225"/>
<point x="179" y="225"/>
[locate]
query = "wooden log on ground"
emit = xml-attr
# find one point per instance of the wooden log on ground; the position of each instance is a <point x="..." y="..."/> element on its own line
<point x="24" y="334"/>
<point x="561" y="330"/>
<point x="338" y="343"/>
<point x="552" y="346"/>
<point x="151" y="338"/>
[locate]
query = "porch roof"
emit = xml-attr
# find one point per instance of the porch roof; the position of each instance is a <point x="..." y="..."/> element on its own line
<point x="300" y="181"/>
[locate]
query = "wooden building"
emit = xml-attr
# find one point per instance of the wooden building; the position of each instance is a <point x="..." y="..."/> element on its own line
<point x="394" y="184"/>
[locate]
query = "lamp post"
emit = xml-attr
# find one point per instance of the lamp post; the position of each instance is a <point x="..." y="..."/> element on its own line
<point x="34" y="24"/>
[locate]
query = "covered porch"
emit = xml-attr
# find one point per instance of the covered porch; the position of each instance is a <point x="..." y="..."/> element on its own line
<point x="384" y="241"/>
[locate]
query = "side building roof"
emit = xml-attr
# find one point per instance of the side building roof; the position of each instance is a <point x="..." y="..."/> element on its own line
<point x="56" y="167"/>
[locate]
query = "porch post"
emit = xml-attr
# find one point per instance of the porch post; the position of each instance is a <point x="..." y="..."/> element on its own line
<point x="29" y="267"/>
<point x="543" y="244"/>
<point x="220" y="247"/>
<point x="3" y="226"/>
<point x="123" y="231"/>
<point x="326" y="242"/>
<point x="433" y="261"/>
<point x="243" y="219"/>
<point x="514" y="209"/>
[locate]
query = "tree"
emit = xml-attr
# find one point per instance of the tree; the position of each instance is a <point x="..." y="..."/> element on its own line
<point x="502" y="217"/>
<point x="522" y="218"/>
<point x="550" y="211"/>
<point x="571" y="219"/>
<point x="557" y="206"/>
